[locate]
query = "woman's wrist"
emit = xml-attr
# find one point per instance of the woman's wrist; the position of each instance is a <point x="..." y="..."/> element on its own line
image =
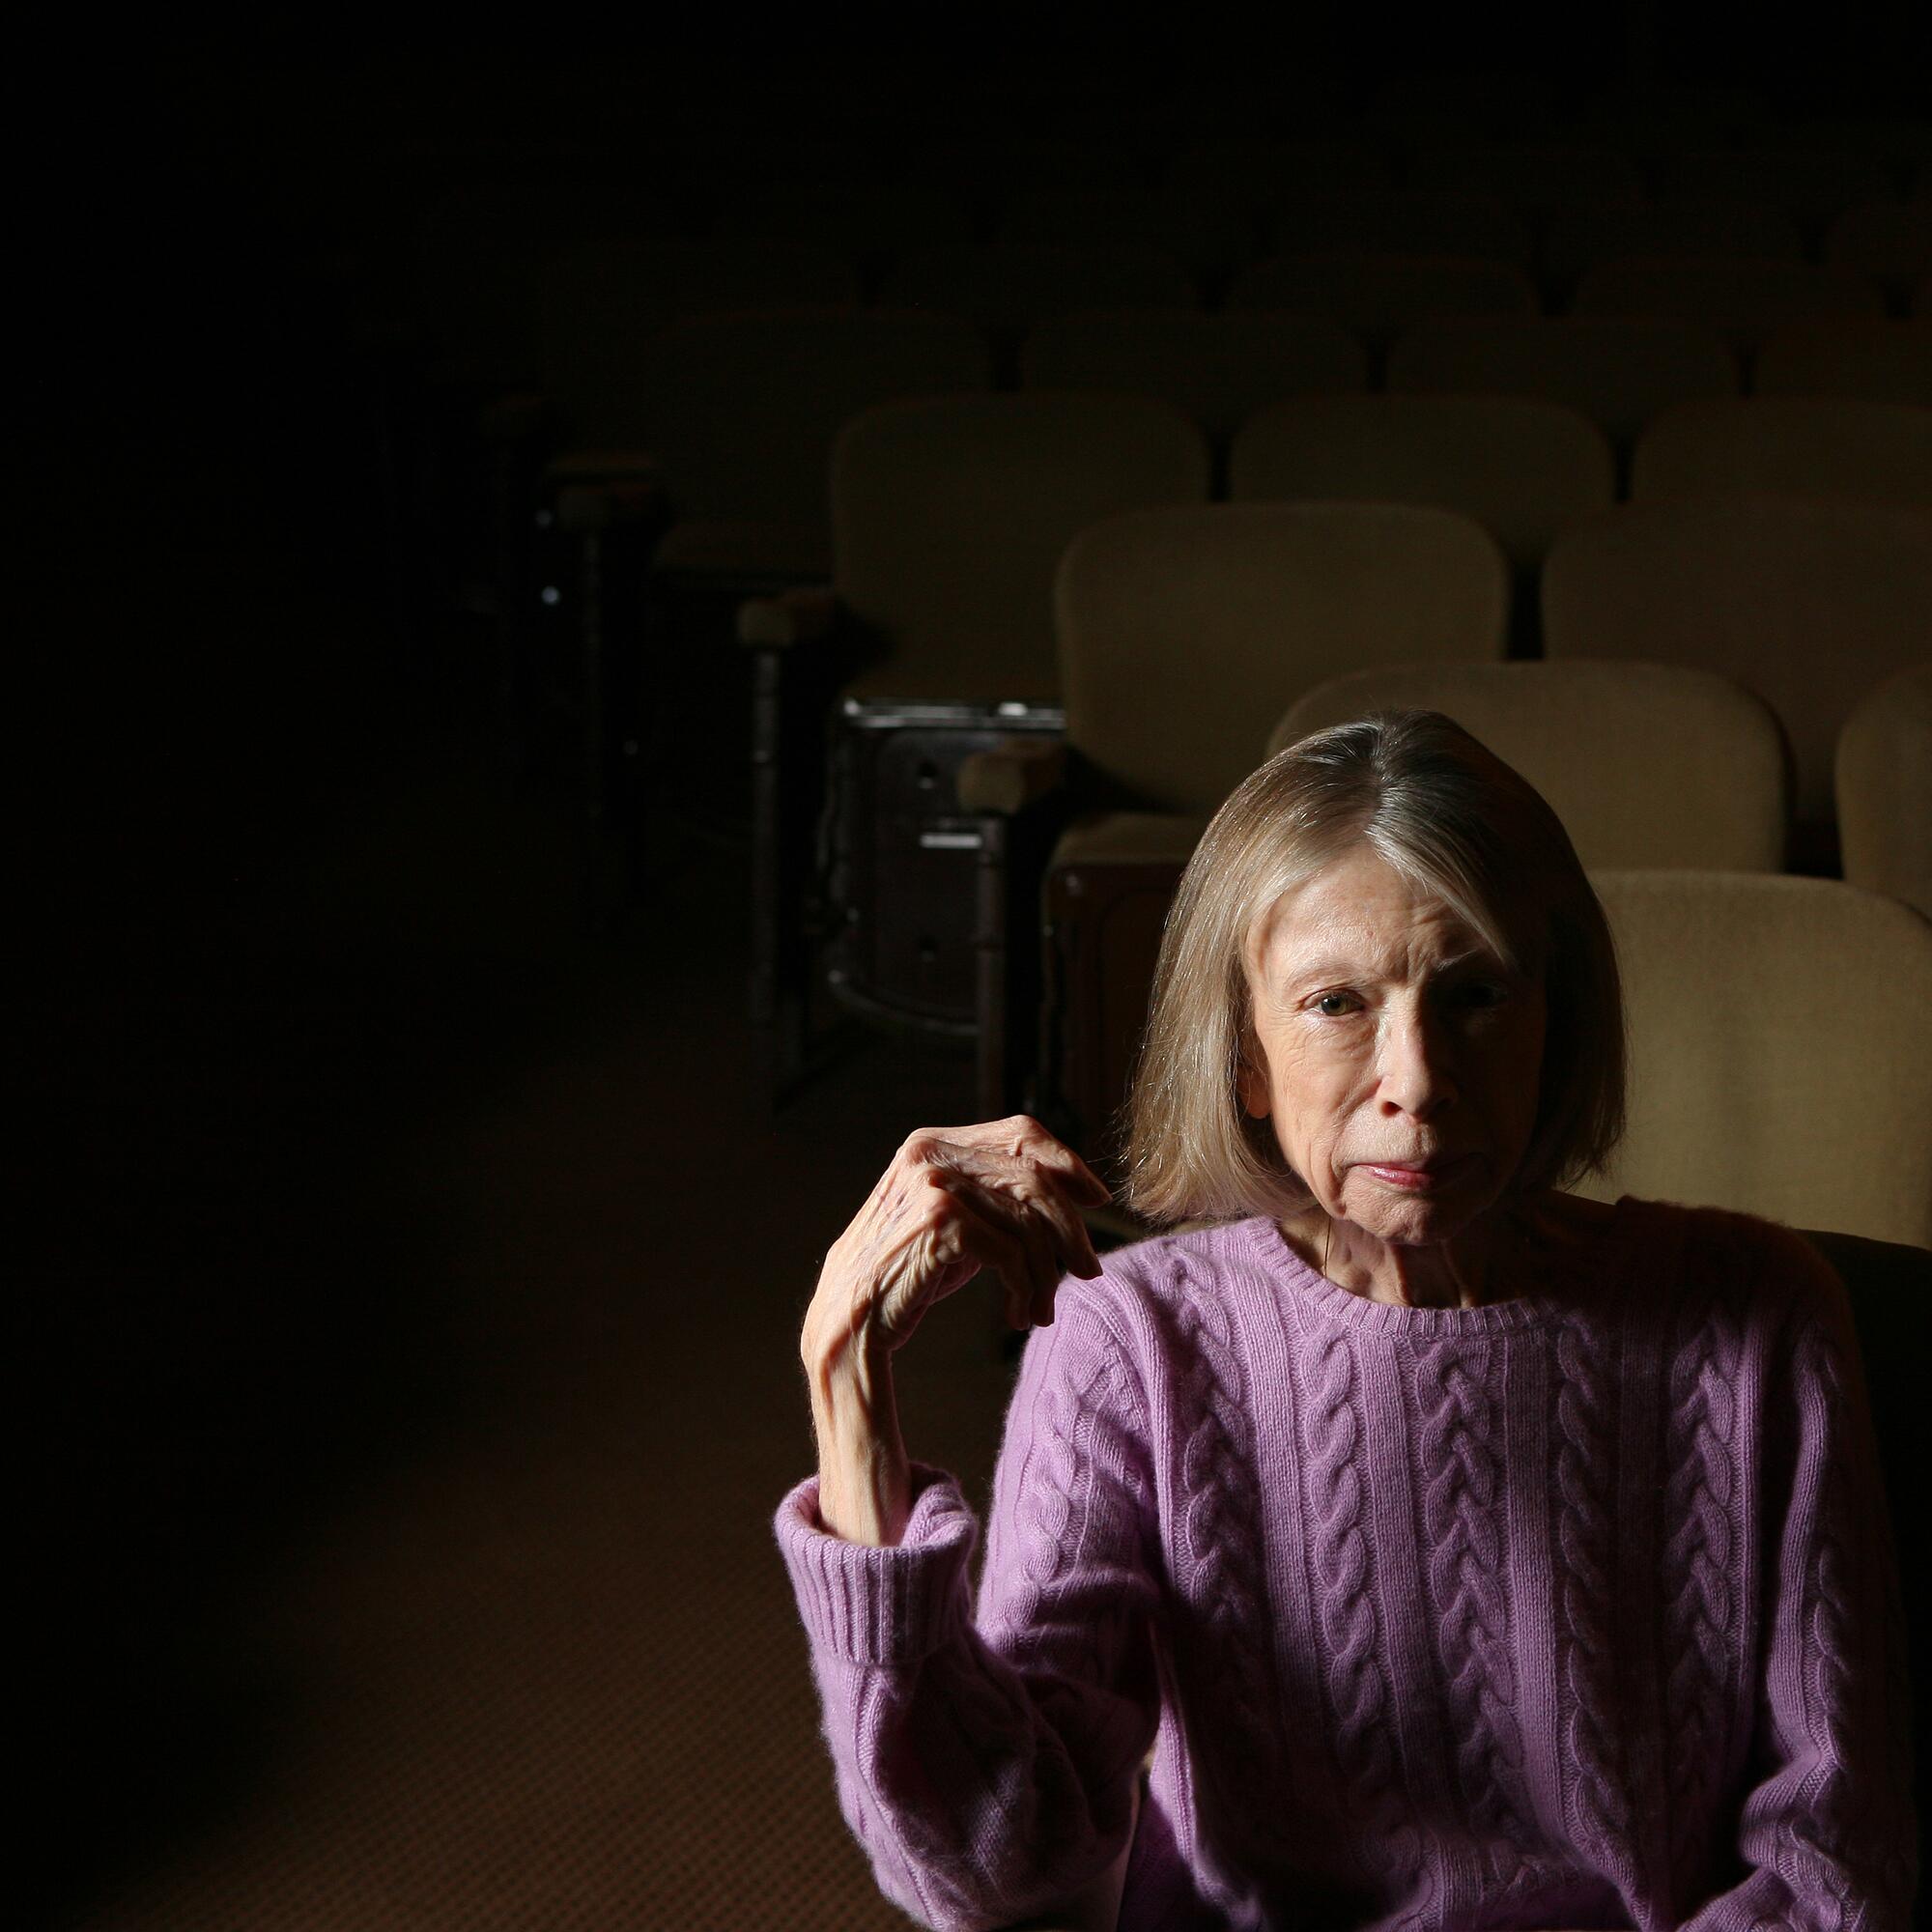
<point x="864" y="1478"/>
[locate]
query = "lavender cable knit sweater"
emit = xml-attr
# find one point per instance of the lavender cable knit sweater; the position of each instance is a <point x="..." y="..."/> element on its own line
<point x="1573" y="1610"/>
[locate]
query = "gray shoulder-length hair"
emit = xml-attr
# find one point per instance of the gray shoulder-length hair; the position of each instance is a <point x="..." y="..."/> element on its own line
<point x="1458" y="823"/>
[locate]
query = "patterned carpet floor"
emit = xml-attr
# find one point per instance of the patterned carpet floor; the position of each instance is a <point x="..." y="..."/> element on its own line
<point x="478" y="1623"/>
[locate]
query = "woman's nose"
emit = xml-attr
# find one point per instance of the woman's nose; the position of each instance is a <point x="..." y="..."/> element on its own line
<point x="1416" y="1077"/>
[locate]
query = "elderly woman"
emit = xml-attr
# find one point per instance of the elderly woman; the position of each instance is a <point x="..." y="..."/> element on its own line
<point x="1467" y="1552"/>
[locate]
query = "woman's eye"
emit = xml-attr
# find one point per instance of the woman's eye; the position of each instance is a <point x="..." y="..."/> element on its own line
<point x="1333" y="1005"/>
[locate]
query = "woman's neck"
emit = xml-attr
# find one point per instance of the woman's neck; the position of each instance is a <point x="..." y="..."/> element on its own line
<point x="1491" y="1261"/>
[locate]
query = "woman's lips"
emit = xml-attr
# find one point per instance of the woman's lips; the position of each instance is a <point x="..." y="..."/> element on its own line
<point x="1421" y="1178"/>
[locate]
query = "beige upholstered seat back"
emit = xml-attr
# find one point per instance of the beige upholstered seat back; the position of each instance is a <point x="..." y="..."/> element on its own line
<point x="1522" y="469"/>
<point x="1619" y="372"/>
<point x="1584" y="233"/>
<point x="1780" y="1038"/>
<point x="949" y="516"/>
<point x="1884" y="776"/>
<point x="1744" y="301"/>
<point x="1871" y="357"/>
<point x="1183" y="632"/>
<point x="1382" y="295"/>
<point x="1220" y="368"/>
<point x="1801" y="445"/>
<point x="1807" y="603"/>
<point x="1645" y="764"/>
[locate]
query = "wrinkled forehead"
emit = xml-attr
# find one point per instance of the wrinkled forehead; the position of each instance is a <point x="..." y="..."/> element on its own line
<point x="1364" y="909"/>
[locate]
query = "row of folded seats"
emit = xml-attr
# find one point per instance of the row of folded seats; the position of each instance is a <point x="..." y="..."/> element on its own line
<point x="1175" y="253"/>
<point x="1007" y="651"/>
<point x="1010" y="478"/>
<point x="1047" y="658"/>
<point x="730" y="417"/>
<point x="1552" y="212"/>
<point x="1559" y="238"/>
<point x="718" y="423"/>
<point x="710" y="438"/>
<point x="981" y="751"/>
<point x="1374" y="276"/>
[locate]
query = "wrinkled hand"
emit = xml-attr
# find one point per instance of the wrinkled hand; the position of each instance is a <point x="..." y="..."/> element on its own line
<point x="1003" y="1195"/>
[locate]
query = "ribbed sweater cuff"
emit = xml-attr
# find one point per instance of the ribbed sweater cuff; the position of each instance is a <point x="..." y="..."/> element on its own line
<point x="871" y="1605"/>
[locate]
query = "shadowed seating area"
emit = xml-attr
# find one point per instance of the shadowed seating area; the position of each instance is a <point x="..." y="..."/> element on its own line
<point x="620" y="633"/>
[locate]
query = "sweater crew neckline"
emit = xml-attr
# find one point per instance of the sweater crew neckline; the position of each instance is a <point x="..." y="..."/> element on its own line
<point x="1262" y="1241"/>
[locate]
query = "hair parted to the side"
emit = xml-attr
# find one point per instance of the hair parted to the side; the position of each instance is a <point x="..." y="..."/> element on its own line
<point x="1458" y="823"/>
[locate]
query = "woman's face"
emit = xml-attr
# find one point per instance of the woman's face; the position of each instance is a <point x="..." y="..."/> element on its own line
<point x="1399" y="1057"/>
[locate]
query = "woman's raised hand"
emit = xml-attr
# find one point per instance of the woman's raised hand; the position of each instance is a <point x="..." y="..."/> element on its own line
<point x="1003" y="1195"/>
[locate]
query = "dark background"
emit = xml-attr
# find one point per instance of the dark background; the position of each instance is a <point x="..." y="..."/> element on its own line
<point x="211" y="666"/>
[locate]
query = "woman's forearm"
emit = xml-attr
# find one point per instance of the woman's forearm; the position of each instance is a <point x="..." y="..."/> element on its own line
<point x="864" y="1481"/>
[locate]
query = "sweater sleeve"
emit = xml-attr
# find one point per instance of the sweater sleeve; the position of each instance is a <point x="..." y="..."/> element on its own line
<point x="1827" y="1831"/>
<point x="987" y="1762"/>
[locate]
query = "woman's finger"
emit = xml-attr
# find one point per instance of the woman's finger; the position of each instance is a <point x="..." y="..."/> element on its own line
<point x="1075" y="1246"/>
<point x="975" y="1229"/>
<point x="1048" y="1234"/>
<point x="1022" y="1138"/>
<point x="1033" y="1198"/>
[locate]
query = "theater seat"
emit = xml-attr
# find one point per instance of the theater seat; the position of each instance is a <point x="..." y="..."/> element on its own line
<point x="1652" y="766"/>
<point x="1780" y="1034"/>
<point x="1007" y="288"/>
<point x="934" y="638"/>
<point x="1380" y="296"/>
<point x="1883" y="777"/>
<point x="1619" y="373"/>
<point x="1582" y="234"/>
<point x="1219" y="368"/>
<point x="1794" y="445"/>
<point x="1873" y="358"/>
<point x="1742" y="300"/>
<point x="1806" y="602"/>
<point x="1523" y="469"/>
<point x="1181" y="634"/>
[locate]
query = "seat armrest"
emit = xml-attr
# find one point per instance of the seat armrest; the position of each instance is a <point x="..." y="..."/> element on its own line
<point x="804" y="617"/>
<point x="1013" y="775"/>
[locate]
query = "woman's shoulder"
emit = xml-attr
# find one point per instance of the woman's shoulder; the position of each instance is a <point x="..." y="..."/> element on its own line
<point x="1759" y="1267"/>
<point x="1157" y="1291"/>
<point x="1186" y="1263"/>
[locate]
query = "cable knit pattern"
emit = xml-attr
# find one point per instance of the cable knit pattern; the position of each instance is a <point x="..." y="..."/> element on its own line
<point x="1358" y="1692"/>
<point x="1223" y="1569"/>
<point x="1399" y="1587"/>
<point x="1045" y="1511"/>
<point x="1460" y="1500"/>
<point x="1814" y="1841"/>
<point x="1701" y="1605"/>
<point x="1586" y="1544"/>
